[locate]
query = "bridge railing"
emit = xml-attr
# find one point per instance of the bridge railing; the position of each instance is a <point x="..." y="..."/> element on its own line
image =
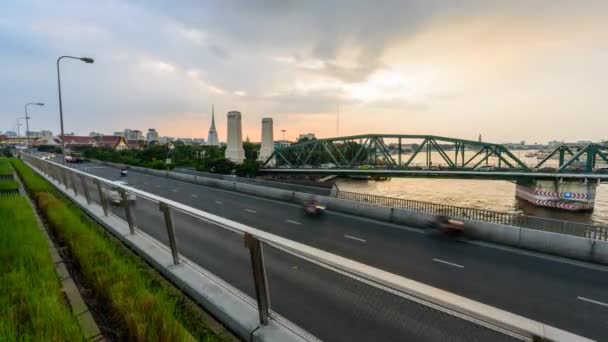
<point x="556" y="226"/>
<point x="308" y="286"/>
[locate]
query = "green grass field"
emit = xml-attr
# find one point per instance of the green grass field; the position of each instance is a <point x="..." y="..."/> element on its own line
<point x="31" y="302"/>
<point x="148" y="307"/>
<point x="5" y="168"/>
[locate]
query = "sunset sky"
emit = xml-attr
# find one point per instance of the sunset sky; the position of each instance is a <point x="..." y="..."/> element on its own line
<point x="510" y="70"/>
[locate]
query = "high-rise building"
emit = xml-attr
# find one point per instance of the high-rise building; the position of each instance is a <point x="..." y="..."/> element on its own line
<point x="152" y="135"/>
<point x="46" y="133"/>
<point x="212" y="138"/>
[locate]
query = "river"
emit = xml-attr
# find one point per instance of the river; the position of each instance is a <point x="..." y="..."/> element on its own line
<point x="482" y="194"/>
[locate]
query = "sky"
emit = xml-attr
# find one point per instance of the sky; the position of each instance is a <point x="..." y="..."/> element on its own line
<point x="510" y="70"/>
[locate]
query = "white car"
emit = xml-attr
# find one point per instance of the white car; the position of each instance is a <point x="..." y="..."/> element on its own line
<point x="115" y="198"/>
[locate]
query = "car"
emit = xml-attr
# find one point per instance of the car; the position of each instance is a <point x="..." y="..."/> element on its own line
<point x="115" y="198"/>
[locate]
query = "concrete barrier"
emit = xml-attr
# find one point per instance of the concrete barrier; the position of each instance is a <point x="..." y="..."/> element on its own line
<point x="272" y="193"/>
<point x="302" y="197"/>
<point x="498" y="233"/>
<point x="412" y="218"/>
<point x="557" y="244"/>
<point x="359" y="209"/>
<point x="599" y="252"/>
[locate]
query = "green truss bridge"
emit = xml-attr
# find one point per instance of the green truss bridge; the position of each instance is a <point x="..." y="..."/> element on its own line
<point x="565" y="177"/>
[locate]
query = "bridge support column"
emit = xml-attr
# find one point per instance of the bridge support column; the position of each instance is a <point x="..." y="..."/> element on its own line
<point x="573" y="195"/>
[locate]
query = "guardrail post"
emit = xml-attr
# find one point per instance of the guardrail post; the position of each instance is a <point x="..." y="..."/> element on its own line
<point x="259" y="276"/>
<point x="164" y="207"/>
<point x="85" y="189"/>
<point x="64" y="175"/>
<point x="128" y="213"/>
<point x="102" y="198"/>
<point x="74" y="183"/>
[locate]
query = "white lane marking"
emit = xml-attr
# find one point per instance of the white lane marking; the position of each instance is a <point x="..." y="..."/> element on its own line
<point x="145" y="183"/>
<point x="251" y="211"/>
<point x="355" y="238"/>
<point x="592" y="301"/>
<point x="174" y="190"/>
<point x="195" y="196"/>
<point x="218" y="202"/>
<point x="294" y="222"/>
<point x="448" y="263"/>
<point x="158" y="186"/>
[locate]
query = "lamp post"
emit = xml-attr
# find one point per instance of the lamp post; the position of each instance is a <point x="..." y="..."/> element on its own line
<point x="86" y="60"/>
<point x="18" y="124"/>
<point x="27" y="118"/>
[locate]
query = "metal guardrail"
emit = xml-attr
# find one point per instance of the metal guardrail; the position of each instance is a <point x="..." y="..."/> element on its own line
<point x="551" y="225"/>
<point x="462" y="318"/>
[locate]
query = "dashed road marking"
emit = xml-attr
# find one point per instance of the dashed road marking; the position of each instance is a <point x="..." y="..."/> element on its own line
<point x="355" y="238"/>
<point x="592" y="301"/>
<point x="218" y="202"/>
<point x="195" y="196"/>
<point x="250" y="210"/>
<point x="448" y="263"/>
<point x="294" y="222"/>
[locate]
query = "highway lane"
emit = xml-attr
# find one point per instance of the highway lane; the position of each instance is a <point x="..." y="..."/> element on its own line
<point x="545" y="290"/>
<point x="330" y="306"/>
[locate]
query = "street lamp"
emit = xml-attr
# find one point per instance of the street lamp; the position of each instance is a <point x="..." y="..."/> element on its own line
<point x="27" y="118"/>
<point x="86" y="60"/>
<point x="283" y="131"/>
<point x="18" y="124"/>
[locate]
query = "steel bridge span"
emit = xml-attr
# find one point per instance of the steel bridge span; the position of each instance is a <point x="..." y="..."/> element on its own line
<point x="565" y="177"/>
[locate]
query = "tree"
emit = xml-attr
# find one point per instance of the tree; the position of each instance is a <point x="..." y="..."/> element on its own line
<point x="248" y="168"/>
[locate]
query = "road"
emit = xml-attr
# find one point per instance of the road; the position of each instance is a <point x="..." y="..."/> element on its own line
<point x="570" y="296"/>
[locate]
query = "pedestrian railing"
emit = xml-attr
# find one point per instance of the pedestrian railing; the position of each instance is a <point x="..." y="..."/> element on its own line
<point x="557" y="226"/>
<point x="315" y="289"/>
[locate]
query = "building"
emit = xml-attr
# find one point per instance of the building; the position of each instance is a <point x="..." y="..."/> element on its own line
<point x="95" y="134"/>
<point x="133" y="134"/>
<point x="212" y="139"/>
<point x="75" y="142"/>
<point x="113" y="142"/>
<point x="46" y="133"/>
<point x="282" y="143"/>
<point x="136" y="144"/>
<point x="152" y="135"/>
<point x="309" y="136"/>
<point x="119" y="134"/>
<point x="10" y="133"/>
<point x="554" y="143"/>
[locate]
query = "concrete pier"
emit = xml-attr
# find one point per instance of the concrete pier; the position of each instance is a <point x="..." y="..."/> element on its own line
<point x="234" y="145"/>
<point x="574" y="195"/>
<point x="267" y="146"/>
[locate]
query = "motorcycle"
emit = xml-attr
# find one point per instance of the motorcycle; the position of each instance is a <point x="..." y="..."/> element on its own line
<point x="314" y="208"/>
<point x="123" y="172"/>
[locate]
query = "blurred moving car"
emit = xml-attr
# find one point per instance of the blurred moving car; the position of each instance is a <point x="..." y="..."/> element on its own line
<point x="448" y="226"/>
<point x="115" y="198"/>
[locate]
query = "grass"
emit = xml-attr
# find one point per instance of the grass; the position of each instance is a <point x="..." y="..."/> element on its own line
<point x="148" y="307"/>
<point x="31" y="303"/>
<point x="8" y="184"/>
<point x="5" y="168"/>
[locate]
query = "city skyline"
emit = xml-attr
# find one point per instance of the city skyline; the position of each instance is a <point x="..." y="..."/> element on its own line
<point x="513" y="73"/>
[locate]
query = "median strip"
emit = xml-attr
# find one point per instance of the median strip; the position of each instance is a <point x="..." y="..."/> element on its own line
<point x="448" y="263"/>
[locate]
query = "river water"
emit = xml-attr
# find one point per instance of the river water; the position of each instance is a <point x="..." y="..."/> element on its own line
<point x="482" y="194"/>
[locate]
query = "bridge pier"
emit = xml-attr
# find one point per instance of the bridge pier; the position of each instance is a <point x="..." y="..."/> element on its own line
<point x="573" y="195"/>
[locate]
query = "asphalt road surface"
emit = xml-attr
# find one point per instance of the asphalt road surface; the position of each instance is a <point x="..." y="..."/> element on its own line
<point x="569" y="295"/>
